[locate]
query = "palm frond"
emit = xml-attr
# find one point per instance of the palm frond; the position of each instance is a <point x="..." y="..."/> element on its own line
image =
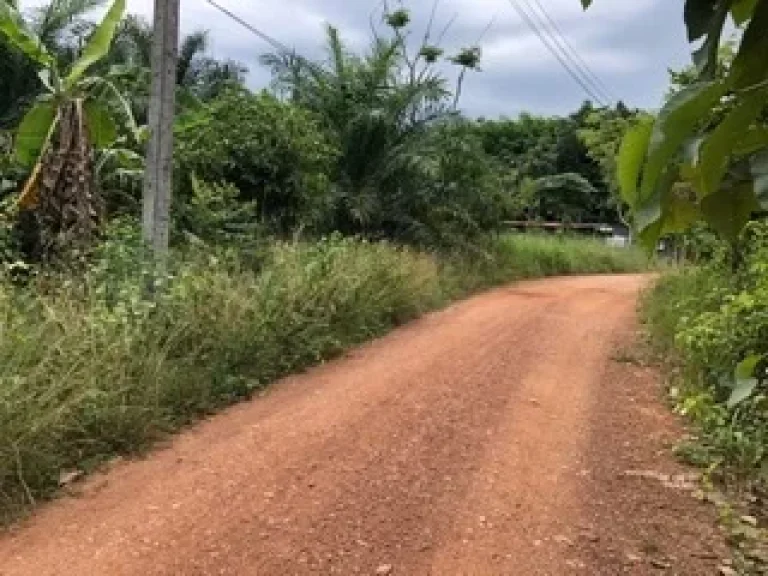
<point x="51" y="20"/>
<point x="192" y="46"/>
<point x="133" y="42"/>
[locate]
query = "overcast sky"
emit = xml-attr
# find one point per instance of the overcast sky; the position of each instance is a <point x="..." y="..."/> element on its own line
<point x="629" y="44"/>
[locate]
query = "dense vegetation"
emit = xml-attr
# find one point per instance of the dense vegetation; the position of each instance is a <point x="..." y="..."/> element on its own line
<point x="710" y="323"/>
<point x="696" y="174"/>
<point x="92" y="369"/>
<point x="369" y="144"/>
<point x="349" y="198"/>
<point x="710" y="320"/>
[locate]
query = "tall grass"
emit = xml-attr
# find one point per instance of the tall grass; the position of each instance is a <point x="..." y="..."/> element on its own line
<point x="705" y="321"/>
<point x="91" y="368"/>
<point x="512" y="257"/>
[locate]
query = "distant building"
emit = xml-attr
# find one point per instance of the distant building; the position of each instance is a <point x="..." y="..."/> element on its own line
<point x="620" y="236"/>
<point x="614" y="234"/>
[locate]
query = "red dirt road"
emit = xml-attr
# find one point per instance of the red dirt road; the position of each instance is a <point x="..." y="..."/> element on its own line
<point x="502" y="436"/>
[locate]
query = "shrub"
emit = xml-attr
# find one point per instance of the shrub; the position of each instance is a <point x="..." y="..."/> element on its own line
<point x="710" y="320"/>
<point x="450" y="194"/>
<point x="274" y="153"/>
<point x="215" y="214"/>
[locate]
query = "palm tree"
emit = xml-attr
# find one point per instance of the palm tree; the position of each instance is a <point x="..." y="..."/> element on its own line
<point x="199" y="77"/>
<point x="377" y="111"/>
<point x="133" y="47"/>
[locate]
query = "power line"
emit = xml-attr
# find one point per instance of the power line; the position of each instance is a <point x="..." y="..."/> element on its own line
<point x="585" y="82"/>
<point x="280" y="47"/>
<point x="553" y="50"/>
<point x="276" y="44"/>
<point x="557" y="50"/>
<point x="576" y="58"/>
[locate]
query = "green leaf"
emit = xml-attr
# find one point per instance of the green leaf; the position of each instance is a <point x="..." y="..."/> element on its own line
<point x="122" y="105"/>
<point x="99" y="43"/>
<point x="632" y="153"/>
<point x="586" y="4"/>
<point x="670" y="209"/>
<point x="101" y="125"/>
<point x="729" y="209"/>
<point x="705" y="58"/>
<point x="750" y="67"/>
<point x="33" y="132"/>
<point x="18" y="35"/>
<point x="45" y="78"/>
<point x="742" y="10"/>
<point x="747" y="367"/>
<point x="742" y="391"/>
<point x="648" y="215"/>
<point x="649" y="238"/>
<point x="683" y="113"/>
<point x="690" y="169"/>
<point x="649" y="219"/>
<point x="718" y="146"/>
<point x="680" y="211"/>
<point x="129" y="158"/>
<point x="751" y="141"/>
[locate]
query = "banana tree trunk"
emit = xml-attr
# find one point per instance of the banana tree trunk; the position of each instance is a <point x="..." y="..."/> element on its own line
<point x="70" y="209"/>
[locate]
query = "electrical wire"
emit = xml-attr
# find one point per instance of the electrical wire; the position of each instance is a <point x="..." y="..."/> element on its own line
<point x="562" y="57"/>
<point x="585" y="85"/>
<point x="280" y="47"/>
<point x="276" y="44"/>
<point x="575" y="57"/>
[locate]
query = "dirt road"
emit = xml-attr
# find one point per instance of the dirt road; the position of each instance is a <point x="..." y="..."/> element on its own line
<point x="506" y="435"/>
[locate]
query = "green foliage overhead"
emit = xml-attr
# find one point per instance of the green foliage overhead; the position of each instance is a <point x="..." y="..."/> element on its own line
<point x="98" y="45"/>
<point x="630" y="159"/>
<point x="704" y="135"/>
<point x="37" y="128"/>
<point x="58" y="30"/>
<point x="18" y="34"/>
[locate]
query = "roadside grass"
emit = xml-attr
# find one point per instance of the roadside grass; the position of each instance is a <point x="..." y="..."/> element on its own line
<point x="93" y="369"/>
<point x="702" y="325"/>
<point x="701" y="321"/>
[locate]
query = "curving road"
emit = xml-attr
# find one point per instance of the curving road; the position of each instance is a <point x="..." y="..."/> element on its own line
<point x="510" y="434"/>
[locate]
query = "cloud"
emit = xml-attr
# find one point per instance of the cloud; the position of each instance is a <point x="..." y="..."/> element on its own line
<point x="628" y="44"/>
<point x="515" y="54"/>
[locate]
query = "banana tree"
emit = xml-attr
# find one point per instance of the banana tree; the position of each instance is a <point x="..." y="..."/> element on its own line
<point x="58" y="135"/>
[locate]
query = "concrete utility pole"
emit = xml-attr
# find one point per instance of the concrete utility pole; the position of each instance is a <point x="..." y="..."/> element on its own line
<point x="159" y="169"/>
